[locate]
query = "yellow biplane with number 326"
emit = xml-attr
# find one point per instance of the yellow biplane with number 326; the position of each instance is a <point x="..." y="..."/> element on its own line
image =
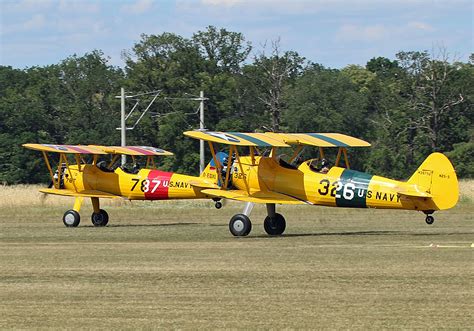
<point x="261" y="176"/>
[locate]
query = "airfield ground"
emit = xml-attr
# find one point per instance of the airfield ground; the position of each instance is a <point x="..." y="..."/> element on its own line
<point x="175" y="265"/>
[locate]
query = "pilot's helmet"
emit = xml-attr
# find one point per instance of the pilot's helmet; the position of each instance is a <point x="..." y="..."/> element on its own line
<point x="324" y="163"/>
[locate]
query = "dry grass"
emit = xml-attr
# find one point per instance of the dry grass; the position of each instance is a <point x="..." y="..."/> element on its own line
<point x="28" y="195"/>
<point x="175" y="265"/>
<point x="466" y="189"/>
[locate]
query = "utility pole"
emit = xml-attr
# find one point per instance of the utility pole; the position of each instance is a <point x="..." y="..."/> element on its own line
<point x="201" y="127"/>
<point x="123" y="117"/>
<point x="123" y="129"/>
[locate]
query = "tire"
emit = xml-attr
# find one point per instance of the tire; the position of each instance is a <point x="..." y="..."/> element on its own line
<point x="274" y="226"/>
<point x="429" y="220"/>
<point x="100" y="219"/>
<point x="218" y="205"/>
<point x="71" y="219"/>
<point x="240" y="225"/>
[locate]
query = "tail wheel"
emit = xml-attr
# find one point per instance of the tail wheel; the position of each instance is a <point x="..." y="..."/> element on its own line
<point x="240" y="225"/>
<point x="71" y="218"/>
<point x="100" y="219"/>
<point x="429" y="220"/>
<point x="274" y="226"/>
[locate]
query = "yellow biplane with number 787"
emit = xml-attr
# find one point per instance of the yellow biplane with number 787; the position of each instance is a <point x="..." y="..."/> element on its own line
<point x="262" y="176"/>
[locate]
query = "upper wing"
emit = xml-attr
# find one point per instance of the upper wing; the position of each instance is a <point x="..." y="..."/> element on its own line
<point x="319" y="139"/>
<point x="238" y="138"/>
<point x="271" y="139"/>
<point x="133" y="150"/>
<point x="97" y="149"/>
<point x="258" y="197"/>
<point x="70" y="149"/>
<point x="84" y="193"/>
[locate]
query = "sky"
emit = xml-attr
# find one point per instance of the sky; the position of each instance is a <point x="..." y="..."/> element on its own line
<point x="334" y="33"/>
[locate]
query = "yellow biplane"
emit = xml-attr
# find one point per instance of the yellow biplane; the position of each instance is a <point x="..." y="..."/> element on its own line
<point x="271" y="180"/>
<point x="80" y="173"/>
<point x="262" y="176"/>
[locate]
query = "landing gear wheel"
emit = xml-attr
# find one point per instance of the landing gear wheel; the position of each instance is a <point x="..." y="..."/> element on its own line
<point x="100" y="219"/>
<point x="218" y="205"/>
<point x="240" y="225"/>
<point x="71" y="218"/>
<point x="429" y="220"/>
<point x="274" y="226"/>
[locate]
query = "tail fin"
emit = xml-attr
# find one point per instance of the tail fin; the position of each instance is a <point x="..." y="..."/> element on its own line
<point x="210" y="172"/>
<point x="437" y="177"/>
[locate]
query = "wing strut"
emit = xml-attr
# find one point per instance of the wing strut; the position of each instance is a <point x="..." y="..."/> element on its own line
<point x="45" y="155"/>
<point x="242" y="170"/>
<point x="114" y="159"/>
<point x="343" y="151"/>
<point x="78" y="161"/>
<point x="150" y="159"/>
<point x="297" y="153"/>
<point x="68" y="169"/>
<point x="229" y="166"/>
<point x="216" y="161"/>
<point x="252" y="154"/>
<point x="321" y="153"/>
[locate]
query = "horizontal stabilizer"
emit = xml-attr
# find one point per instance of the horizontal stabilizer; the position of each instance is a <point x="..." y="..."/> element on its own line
<point x="416" y="194"/>
<point x="257" y="197"/>
<point x="85" y="193"/>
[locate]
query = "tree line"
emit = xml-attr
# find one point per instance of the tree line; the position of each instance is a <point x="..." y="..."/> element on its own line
<point x="407" y="108"/>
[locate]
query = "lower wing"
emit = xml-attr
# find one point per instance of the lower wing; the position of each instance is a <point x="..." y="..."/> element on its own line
<point x="85" y="193"/>
<point x="257" y="197"/>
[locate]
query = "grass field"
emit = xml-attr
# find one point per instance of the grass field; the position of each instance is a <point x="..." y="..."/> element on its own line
<point x="175" y="265"/>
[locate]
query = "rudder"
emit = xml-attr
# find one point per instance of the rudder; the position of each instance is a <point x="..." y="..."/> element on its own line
<point x="437" y="176"/>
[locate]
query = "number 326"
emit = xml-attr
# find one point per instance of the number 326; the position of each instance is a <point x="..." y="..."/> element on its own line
<point x="338" y="189"/>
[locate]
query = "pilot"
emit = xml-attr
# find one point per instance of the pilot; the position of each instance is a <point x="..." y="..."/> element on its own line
<point x="298" y="160"/>
<point x="131" y="168"/>
<point x="135" y="168"/>
<point x="324" y="166"/>
<point x="102" y="165"/>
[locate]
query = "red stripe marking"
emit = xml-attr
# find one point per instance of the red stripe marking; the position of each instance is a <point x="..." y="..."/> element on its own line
<point x="140" y="150"/>
<point x="158" y="185"/>
<point x="78" y="149"/>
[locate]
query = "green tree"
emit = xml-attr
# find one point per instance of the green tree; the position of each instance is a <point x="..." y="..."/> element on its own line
<point x="224" y="53"/>
<point x="71" y="102"/>
<point x="87" y="105"/>
<point x="24" y="117"/>
<point x="325" y="100"/>
<point x="274" y="73"/>
<point x="224" y="50"/>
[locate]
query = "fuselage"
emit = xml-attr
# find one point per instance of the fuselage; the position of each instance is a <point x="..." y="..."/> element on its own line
<point x="339" y="187"/>
<point x="146" y="184"/>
